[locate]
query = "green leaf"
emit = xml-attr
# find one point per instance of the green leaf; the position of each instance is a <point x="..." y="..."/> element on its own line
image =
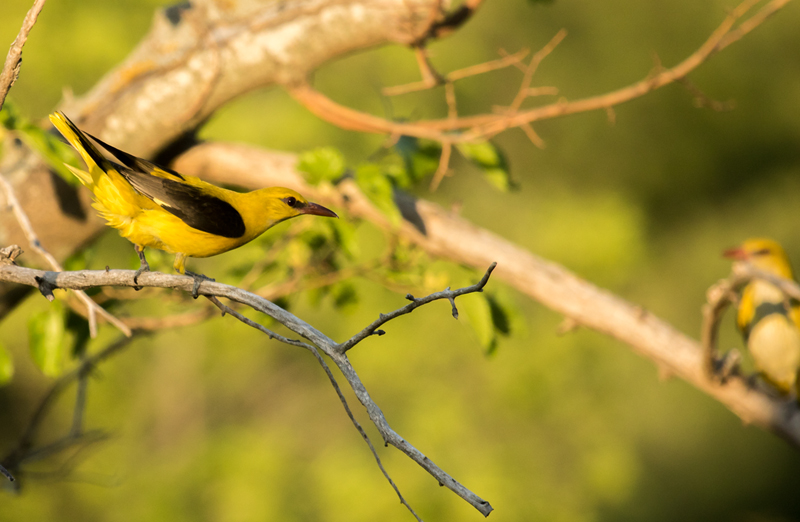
<point x="54" y="151"/>
<point x="344" y="235"/>
<point x="48" y="340"/>
<point x="487" y="157"/>
<point x="379" y="190"/>
<point x="6" y="366"/>
<point x="501" y="316"/>
<point x="478" y="313"/>
<point x="420" y="158"/>
<point x="79" y="334"/>
<point x="322" y="164"/>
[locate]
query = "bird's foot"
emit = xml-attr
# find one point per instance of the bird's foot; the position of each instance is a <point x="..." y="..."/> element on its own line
<point x="144" y="266"/>
<point x="197" y="279"/>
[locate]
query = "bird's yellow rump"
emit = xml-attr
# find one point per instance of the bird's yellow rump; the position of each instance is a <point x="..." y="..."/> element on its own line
<point x="767" y="318"/>
<point x="156" y="207"/>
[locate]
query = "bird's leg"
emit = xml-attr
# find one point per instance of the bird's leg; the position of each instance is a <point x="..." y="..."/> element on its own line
<point x="197" y="278"/>
<point x="144" y="266"/>
<point x="180" y="266"/>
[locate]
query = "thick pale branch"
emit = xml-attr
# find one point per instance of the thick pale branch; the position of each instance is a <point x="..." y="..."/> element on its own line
<point x="445" y="235"/>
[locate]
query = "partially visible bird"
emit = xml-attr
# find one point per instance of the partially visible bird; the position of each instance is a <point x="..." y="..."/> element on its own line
<point x="767" y="318"/>
<point x="156" y="207"/>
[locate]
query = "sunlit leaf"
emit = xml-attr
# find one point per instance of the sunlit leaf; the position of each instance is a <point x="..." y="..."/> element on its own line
<point x="48" y="340"/>
<point x="344" y="234"/>
<point x="52" y="149"/>
<point x="322" y="164"/>
<point x="379" y="190"/>
<point x="6" y="365"/>
<point x="478" y="313"/>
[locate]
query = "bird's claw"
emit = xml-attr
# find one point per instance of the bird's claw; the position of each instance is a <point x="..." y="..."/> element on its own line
<point x="145" y="267"/>
<point x="197" y="279"/>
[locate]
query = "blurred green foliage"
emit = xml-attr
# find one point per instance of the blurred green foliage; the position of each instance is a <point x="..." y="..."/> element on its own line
<point x="214" y="422"/>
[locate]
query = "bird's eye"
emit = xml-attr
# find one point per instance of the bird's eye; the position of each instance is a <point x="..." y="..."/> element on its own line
<point x="291" y="201"/>
<point x="762" y="252"/>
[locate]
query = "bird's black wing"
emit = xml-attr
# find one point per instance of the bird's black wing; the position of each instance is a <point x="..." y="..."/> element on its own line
<point x="190" y="204"/>
<point x="134" y="163"/>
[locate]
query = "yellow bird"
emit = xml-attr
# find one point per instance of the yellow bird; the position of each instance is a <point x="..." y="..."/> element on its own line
<point x="767" y="318"/>
<point x="156" y="207"/>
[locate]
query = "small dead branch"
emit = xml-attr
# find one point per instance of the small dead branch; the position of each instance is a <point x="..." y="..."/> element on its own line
<point x="459" y="74"/>
<point x="415" y="303"/>
<point x="481" y="126"/>
<point x="13" y="62"/>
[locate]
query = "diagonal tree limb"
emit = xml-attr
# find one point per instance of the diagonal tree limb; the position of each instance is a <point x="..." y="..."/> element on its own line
<point x="449" y="236"/>
<point x="85" y="279"/>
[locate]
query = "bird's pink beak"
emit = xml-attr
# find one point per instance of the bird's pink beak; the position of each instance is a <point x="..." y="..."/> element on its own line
<point x="737" y="253"/>
<point x="317" y="210"/>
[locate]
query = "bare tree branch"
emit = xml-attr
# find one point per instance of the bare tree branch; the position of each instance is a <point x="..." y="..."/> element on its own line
<point x="415" y="303"/>
<point x="85" y="279"/>
<point x="487" y="125"/>
<point x="13" y="62"/>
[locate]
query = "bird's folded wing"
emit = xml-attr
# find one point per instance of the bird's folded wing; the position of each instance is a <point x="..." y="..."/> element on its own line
<point x="195" y="207"/>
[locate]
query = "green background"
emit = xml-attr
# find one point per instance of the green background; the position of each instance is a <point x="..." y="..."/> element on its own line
<point x="214" y="422"/>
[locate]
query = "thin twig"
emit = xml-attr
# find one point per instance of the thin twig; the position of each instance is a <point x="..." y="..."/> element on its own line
<point x="13" y="62"/>
<point x="413" y="305"/>
<point x="483" y="125"/>
<point x="444" y="164"/>
<point x="459" y="74"/>
<point x="361" y="431"/>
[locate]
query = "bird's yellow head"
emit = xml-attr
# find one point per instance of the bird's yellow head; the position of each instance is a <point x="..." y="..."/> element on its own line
<point x="283" y="203"/>
<point x="765" y="254"/>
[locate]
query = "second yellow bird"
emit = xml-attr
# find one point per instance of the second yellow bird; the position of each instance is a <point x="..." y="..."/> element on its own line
<point x="767" y="319"/>
<point x="156" y="207"/>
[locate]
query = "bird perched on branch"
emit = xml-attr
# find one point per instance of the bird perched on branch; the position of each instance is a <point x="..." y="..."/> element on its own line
<point x="156" y="207"/>
<point x="767" y="318"/>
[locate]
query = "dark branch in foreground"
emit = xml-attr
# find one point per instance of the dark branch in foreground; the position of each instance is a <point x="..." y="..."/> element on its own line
<point x="6" y="473"/>
<point x="25" y="450"/>
<point x="413" y="305"/>
<point x="85" y="279"/>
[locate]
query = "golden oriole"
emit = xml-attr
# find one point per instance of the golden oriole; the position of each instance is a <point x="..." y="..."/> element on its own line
<point x="156" y="207"/>
<point x="767" y="318"/>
